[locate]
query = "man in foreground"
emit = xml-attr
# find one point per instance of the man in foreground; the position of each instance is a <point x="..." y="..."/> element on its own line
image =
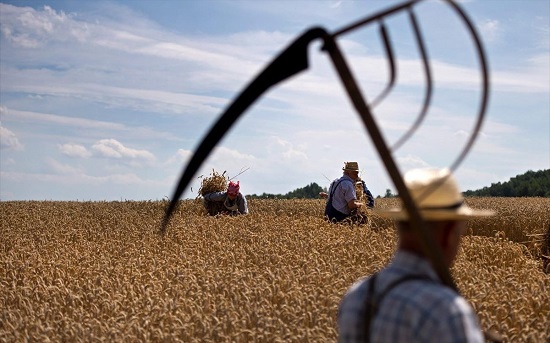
<point x="406" y="301"/>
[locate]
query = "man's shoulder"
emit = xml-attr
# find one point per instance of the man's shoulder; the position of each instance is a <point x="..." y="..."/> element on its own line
<point x="345" y="180"/>
<point x="425" y="296"/>
<point x="415" y="278"/>
<point x="352" y="306"/>
<point x="427" y="291"/>
<point x="409" y="291"/>
<point x="358" y="290"/>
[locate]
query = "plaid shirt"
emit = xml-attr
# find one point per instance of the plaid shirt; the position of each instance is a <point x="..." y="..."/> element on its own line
<point x="417" y="310"/>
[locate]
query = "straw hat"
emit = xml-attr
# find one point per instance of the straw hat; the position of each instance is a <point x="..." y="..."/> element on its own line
<point x="437" y="197"/>
<point x="351" y="166"/>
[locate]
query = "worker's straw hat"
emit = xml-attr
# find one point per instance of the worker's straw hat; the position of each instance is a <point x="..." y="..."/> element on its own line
<point x="437" y="197"/>
<point x="351" y="166"/>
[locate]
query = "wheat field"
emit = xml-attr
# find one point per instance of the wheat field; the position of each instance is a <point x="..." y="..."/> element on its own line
<point x="100" y="272"/>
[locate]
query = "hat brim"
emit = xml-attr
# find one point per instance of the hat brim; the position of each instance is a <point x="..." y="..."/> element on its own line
<point x="463" y="212"/>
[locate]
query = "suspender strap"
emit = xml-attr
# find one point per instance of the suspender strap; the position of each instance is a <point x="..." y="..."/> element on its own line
<point x="335" y="186"/>
<point x="334" y="190"/>
<point x="331" y="213"/>
<point x="374" y="300"/>
<point x="370" y="308"/>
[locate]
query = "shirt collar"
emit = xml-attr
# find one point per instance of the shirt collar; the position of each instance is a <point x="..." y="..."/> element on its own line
<point x="347" y="177"/>
<point x="413" y="264"/>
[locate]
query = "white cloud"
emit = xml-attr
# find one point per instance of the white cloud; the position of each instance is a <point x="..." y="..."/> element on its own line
<point x="181" y="156"/>
<point x="530" y="76"/>
<point x="230" y="160"/>
<point x="286" y="151"/>
<point x="490" y="30"/>
<point x="124" y="179"/>
<point x="543" y="33"/>
<point x="412" y="162"/>
<point x="88" y="124"/>
<point x="127" y="97"/>
<point x="34" y="28"/>
<point x="111" y="148"/>
<point x="336" y="4"/>
<point x="64" y="169"/>
<point x="29" y="28"/>
<point x="8" y="140"/>
<point x="8" y="162"/>
<point x="66" y="175"/>
<point x="17" y="115"/>
<point x="74" y="150"/>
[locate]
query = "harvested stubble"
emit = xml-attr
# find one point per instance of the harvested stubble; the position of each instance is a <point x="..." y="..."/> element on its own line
<point x="98" y="271"/>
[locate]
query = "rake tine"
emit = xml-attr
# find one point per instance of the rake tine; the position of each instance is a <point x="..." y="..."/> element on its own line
<point x="390" y="57"/>
<point x="484" y="96"/>
<point x="429" y="83"/>
<point x="376" y="16"/>
<point x="485" y="82"/>
<point x="352" y="88"/>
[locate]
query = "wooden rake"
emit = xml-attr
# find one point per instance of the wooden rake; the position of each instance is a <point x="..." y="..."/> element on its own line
<point x="294" y="59"/>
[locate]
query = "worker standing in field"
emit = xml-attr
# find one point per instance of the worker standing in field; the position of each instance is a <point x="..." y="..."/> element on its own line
<point x="342" y="197"/>
<point x="406" y="301"/>
<point x="229" y="202"/>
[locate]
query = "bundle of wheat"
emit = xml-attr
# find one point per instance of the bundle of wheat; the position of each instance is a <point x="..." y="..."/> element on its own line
<point x="214" y="183"/>
<point x="359" y="215"/>
<point x="361" y="196"/>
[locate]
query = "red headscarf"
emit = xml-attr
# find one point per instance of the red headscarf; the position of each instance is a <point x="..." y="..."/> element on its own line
<point x="233" y="188"/>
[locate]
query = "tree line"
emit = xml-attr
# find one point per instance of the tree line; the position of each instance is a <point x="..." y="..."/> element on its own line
<point x="529" y="184"/>
<point x="310" y="191"/>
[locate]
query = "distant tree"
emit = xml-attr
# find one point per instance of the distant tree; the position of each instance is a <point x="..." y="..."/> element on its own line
<point x="530" y="184"/>
<point x="264" y="196"/>
<point x="310" y="191"/>
<point x="389" y="194"/>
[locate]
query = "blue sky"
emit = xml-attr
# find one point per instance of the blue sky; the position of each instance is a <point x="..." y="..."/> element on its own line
<point x="107" y="100"/>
